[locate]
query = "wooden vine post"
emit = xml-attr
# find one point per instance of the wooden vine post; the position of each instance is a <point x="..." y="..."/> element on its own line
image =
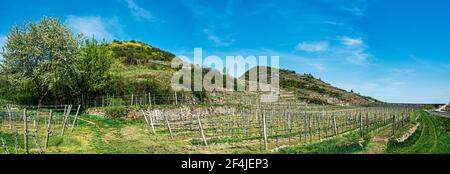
<point x="36" y="138"/>
<point x="310" y="128"/>
<point x="150" y="126"/>
<point x="132" y="99"/>
<point x="10" y="117"/>
<point x="334" y="125"/>
<point x="305" y="130"/>
<point x="201" y="129"/>
<point x="49" y="129"/>
<point x="265" y="131"/>
<point x="16" y="140"/>
<point x="318" y="124"/>
<point x="289" y="125"/>
<point x="66" y="116"/>
<point x="75" y="119"/>
<point x="393" y="124"/>
<point x="361" y="125"/>
<point x="168" y="126"/>
<point x="25" y="129"/>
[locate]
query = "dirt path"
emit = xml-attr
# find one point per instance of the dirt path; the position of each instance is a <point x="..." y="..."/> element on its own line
<point x="379" y="142"/>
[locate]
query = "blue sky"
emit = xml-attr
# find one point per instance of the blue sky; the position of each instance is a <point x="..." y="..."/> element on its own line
<point x="396" y="51"/>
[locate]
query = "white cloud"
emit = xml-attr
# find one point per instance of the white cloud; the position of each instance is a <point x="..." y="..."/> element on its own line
<point x="100" y="28"/>
<point x="138" y="12"/>
<point x="216" y="40"/>
<point x="403" y="71"/>
<point x="351" y="50"/>
<point x="313" y="46"/>
<point x="351" y="42"/>
<point x="356" y="56"/>
<point x="333" y="23"/>
<point x="355" y="10"/>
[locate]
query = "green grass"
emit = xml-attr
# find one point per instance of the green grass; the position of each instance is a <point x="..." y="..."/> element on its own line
<point x="96" y="135"/>
<point x="431" y="137"/>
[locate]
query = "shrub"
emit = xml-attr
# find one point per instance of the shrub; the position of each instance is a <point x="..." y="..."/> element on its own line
<point x="116" y="112"/>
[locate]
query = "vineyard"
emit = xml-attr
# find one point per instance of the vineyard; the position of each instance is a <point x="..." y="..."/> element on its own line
<point x="195" y="129"/>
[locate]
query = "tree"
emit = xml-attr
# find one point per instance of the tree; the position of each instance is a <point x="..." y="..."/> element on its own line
<point x="94" y="67"/>
<point x="45" y="54"/>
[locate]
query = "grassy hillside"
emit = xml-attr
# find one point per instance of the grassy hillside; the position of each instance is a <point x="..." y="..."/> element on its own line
<point x="309" y="89"/>
<point x="140" y="67"/>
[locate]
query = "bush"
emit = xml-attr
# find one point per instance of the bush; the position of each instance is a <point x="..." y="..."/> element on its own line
<point x="116" y="112"/>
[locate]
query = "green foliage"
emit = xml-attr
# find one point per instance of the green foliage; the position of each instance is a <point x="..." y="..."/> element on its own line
<point x="43" y="54"/>
<point x="309" y="77"/>
<point x="116" y="111"/>
<point x="286" y="71"/>
<point x="313" y="100"/>
<point x="94" y="67"/>
<point x="290" y="83"/>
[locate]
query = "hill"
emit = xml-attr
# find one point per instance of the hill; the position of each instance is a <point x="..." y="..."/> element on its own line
<point x="139" y="68"/>
<point x="308" y="89"/>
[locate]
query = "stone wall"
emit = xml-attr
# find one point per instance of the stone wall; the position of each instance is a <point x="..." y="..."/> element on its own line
<point x="183" y="112"/>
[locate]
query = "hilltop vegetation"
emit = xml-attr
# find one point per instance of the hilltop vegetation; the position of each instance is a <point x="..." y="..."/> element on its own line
<point x="136" y="53"/>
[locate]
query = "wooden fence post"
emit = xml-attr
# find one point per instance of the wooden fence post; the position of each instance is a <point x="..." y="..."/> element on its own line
<point x="150" y="99"/>
<point x="176" y="98"/>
